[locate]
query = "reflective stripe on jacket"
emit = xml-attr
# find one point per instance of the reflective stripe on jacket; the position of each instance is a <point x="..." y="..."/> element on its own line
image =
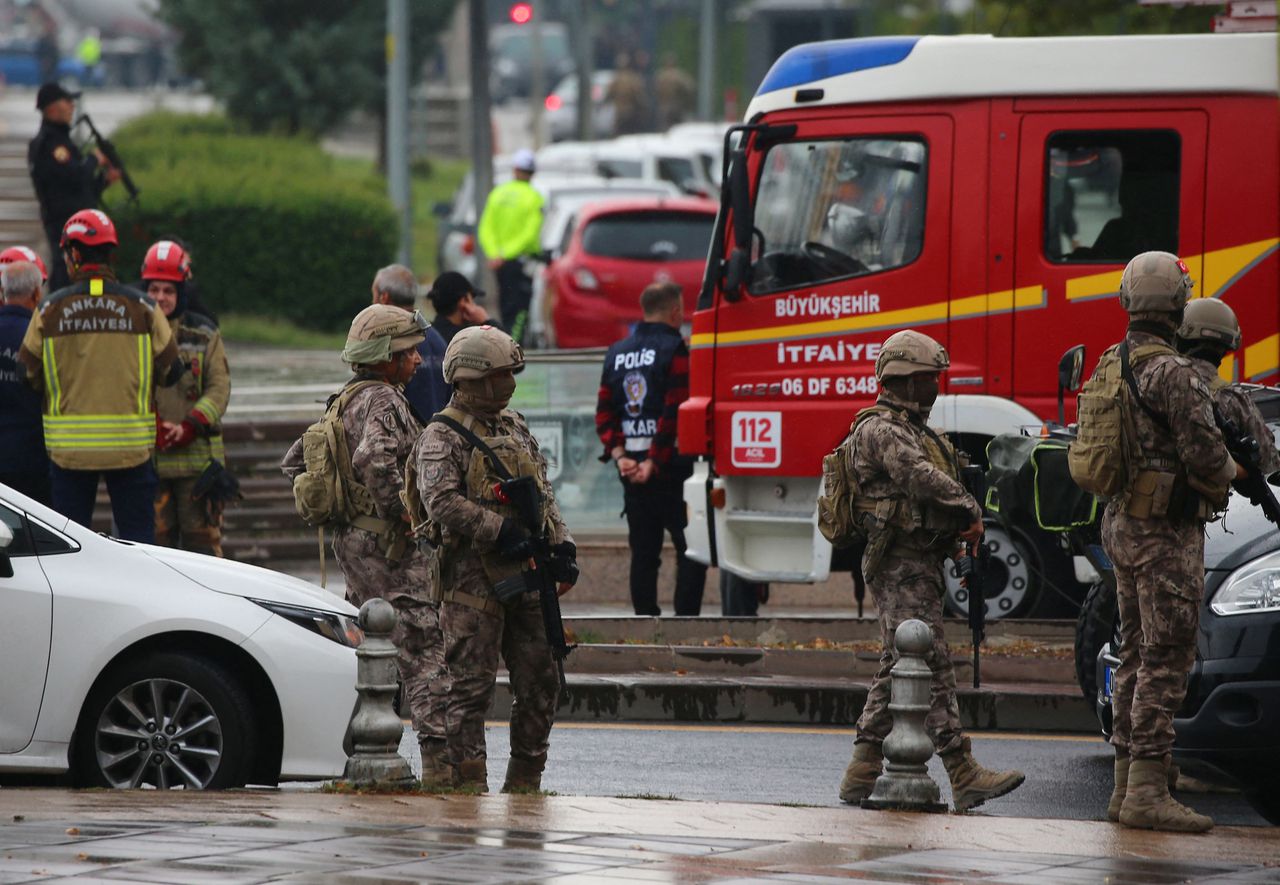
<point x="96" y="347"/>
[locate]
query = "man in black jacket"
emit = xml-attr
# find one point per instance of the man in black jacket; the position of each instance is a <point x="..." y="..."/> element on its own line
<point x="65" y="180"/>
<point x="645" y="379"/>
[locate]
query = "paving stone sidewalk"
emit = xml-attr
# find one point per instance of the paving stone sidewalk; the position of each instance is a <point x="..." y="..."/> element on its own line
<point x="268" y="836"/>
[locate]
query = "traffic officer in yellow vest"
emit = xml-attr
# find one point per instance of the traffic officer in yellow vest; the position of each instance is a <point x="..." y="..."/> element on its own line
<point x="189" y="438"/>
<point x="377" y="557"/>
<point x="510" y="232"/>
<point x="97" y="349"/>
<point x="1209" y="332"/>
<point x="914" y="512"/>
<point x="481" y="543"/>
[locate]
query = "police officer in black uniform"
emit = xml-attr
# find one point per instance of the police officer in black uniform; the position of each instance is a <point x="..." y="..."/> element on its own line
<point x="645" y="379"/>
<point x="66" y="180"/>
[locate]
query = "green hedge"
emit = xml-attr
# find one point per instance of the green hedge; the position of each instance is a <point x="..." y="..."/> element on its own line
<point x="277" y="227"/>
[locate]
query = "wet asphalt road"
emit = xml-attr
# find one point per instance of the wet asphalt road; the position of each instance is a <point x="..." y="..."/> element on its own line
<point x="1067" y="776"/>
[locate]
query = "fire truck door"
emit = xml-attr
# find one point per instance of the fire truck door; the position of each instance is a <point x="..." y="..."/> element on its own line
<point x="1094" y="189"/>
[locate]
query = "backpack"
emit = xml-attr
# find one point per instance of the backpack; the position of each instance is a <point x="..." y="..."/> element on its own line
<point x="326" y="493"/>
<point x="1105" y="447"/>
<point x="837" y="513"/>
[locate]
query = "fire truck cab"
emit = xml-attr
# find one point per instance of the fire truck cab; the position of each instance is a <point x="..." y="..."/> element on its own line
<point x="987" y="191"/>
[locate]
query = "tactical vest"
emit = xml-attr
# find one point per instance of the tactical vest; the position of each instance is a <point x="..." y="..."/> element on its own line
<point x="635" y="374"/>
<point x="482" y="480"/>
<point x="896" y="510"/>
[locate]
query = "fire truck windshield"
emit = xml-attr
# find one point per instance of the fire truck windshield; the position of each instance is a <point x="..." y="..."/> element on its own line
<point x="828" y="210"/>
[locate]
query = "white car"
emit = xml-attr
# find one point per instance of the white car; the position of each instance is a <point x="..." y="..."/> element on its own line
<point x="129" y="665"/>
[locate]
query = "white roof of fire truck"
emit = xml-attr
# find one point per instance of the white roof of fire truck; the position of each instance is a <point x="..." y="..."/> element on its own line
<point x="885" y="69"/>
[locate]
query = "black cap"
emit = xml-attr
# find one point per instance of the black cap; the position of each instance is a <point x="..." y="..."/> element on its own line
<point x="51" y="92"/>
<point x="450" y="288"/>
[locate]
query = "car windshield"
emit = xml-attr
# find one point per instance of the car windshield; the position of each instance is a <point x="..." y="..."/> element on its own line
<point x="826" y="210"/>
<point x="649" y="236"/>
<point x="617" y="167"/>
<point x="518" y="46"/>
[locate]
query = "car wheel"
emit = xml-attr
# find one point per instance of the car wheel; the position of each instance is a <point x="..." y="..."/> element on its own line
<point x="1095" y="627"/>
<point x="166" y="720"/>
<point x="1013" y="584"/>
<point x="740" y="597"/>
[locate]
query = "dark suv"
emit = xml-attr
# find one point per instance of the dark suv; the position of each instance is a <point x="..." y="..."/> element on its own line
<point x="1228" y="729"/>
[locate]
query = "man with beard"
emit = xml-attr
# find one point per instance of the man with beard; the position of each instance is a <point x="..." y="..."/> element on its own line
<point x="915" y="512"/>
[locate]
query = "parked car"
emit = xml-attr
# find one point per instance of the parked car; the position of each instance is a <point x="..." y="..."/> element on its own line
<point x="130" y="665"/>
<point x="560" y="211"/>
<point x="562" y="107"/>
<point x="1228" y="729"/>
<point x="658" y="157"/>
<point x="20" y="66"/>
<point x="612" y="252"/>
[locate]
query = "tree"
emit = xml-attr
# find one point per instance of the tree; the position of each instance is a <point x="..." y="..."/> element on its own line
<point x="295" y="65"/>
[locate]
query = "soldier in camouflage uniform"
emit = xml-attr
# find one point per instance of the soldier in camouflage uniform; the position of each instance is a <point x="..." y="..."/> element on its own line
<point x="481" y="544"/>
<point x="375" y="553"/>
<point x="914" y="510"/>
<point x="1153" y="531"/>
<point x="1209" y="332"/>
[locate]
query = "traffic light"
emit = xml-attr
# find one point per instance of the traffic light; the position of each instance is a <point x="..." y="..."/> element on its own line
<point x="521" y="13"/>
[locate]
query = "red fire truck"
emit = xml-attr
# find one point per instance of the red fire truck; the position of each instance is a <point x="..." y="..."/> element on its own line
<point x="988" y="192"/>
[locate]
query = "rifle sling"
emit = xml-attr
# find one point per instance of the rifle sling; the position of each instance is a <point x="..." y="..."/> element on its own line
<point x="1126" y="372"/>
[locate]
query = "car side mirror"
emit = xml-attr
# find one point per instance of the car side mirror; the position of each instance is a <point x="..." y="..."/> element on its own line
<point x="1070" y="376"/>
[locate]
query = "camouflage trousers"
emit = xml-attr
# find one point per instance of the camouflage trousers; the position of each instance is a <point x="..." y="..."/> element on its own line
<point x="473" y="641"/>
<point x="417" y="637"/>
<point x="182" y="521"/>
<point x="1159" y="570"/>
<point x="910" y="585"/>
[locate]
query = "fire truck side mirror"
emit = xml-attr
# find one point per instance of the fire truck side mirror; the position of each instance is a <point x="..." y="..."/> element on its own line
<point x="1071" y="369"/>
<point x="738" y="267"/>
<point x="735" y="276"/>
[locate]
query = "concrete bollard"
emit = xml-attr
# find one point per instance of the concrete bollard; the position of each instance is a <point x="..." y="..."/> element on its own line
<point x="375" y="728"/>
<point x="906" y="785"/>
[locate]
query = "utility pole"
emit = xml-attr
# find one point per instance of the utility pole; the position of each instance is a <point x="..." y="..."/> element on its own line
<point x="707" y="58"/>
<point x="481" y="129"/>
<point x="538" y="75"/>
<point x="581" y="27"/>
<point x="398" y="124"/>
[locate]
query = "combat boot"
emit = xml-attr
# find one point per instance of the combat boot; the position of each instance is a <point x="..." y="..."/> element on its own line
<point x="860" y="777"/>
<point x="1148" y="805"/>
<point x="971" y="784"/>
<point x="1122" y="781"/>
<point x="437" y="772"/>
<point x="473" y="774"/>
<point x="524" y="775"/>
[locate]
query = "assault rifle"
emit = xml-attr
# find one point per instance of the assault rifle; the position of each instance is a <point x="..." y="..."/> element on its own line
<point x="971" y="566"/>
<point x="1246" y="452"/>
<point x="522" y="493"/>
<point x="113" y="156"/>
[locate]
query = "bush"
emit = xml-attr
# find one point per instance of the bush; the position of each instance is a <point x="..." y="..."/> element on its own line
<point x="276" y="226"/>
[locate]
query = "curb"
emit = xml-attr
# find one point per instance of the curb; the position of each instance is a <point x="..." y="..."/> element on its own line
<point x="647" y="697"/>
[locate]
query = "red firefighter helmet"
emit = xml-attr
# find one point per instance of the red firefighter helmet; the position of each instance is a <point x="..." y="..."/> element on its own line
<point x="166" y="260"/>
<point x="89" y="227"/>
<point x="22" y="253"/>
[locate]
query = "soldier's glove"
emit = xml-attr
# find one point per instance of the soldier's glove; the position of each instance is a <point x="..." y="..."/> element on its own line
<point x="564" y="563"/>
<point x="513" y="540"/>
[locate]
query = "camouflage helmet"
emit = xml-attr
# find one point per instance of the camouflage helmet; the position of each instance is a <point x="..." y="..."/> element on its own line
<point x="381" y="330"/>
<point x="908" y="352"/>
<point x="1208" y="319"/>
<point x="1155" y="282"/>
<point x="478" y="352"/>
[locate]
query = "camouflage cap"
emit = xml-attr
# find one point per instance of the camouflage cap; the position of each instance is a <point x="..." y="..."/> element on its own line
<point x="479" y="351"/>
<point x="1155" y="282"/>
<point x="1208" y="319"/>
<point x="380" y="330"/>
<point x="908" y="352"/>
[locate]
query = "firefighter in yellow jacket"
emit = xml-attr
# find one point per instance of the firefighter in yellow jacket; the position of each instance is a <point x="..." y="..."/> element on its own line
<point x="97" y="348"/>
<point x="189" y="450"/>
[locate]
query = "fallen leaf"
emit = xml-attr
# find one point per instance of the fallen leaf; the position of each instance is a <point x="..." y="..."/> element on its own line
<point x="73" y="831"/>
<point x="19" y="817"/>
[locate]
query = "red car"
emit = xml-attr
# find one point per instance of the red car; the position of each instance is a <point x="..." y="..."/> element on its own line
<point x="612" y="251"/>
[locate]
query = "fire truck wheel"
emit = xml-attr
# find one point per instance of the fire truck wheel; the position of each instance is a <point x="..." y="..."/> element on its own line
<point x="1013" y="580"/>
